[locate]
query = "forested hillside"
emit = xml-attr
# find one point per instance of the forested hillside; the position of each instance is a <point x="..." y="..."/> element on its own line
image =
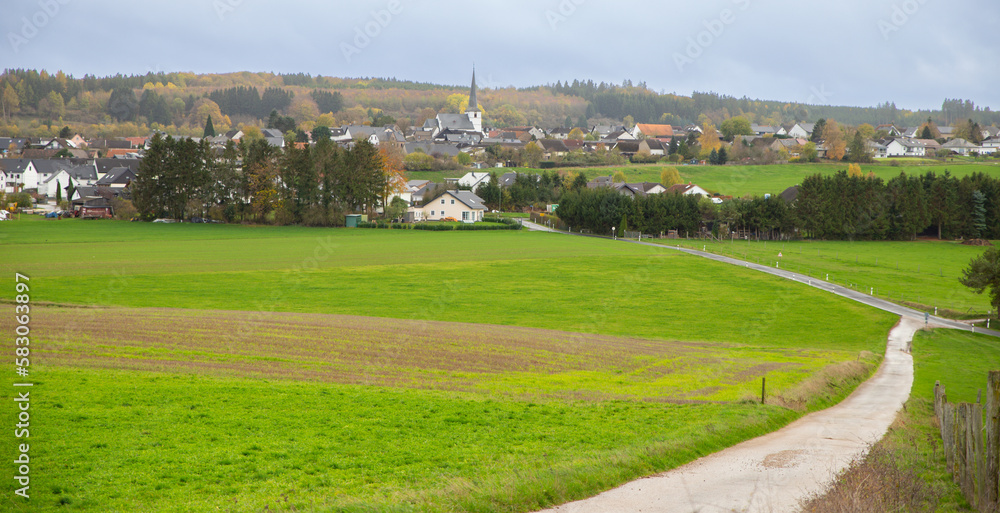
<point x="37" y="103"/>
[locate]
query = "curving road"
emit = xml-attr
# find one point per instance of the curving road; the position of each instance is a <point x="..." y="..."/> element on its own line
<point x="777" y="471"/>
<point x="860" y="297"/>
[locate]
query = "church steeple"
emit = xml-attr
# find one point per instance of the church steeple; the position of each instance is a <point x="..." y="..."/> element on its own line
<point x="475" y="115"/>
<point x="473" y="103"/>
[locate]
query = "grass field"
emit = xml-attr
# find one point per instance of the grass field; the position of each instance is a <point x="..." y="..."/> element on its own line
<point x="922" y="274"/>
<point x="506" y="278"/>
<point x="739" y="181"/>
<point x="589" y="363"/>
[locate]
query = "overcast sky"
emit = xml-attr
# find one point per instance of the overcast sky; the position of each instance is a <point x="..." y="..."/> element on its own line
<point x="846" y="52"/>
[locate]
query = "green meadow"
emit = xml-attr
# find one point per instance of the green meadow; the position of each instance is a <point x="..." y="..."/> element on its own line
<point x="734" y="180"/>
<point x="923" y="274"/>
<point x="508" y="278"/>
<point x="185" y="367"/>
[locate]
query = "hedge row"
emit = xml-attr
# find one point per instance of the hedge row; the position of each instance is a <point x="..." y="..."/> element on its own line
<point x="436" y="227"/>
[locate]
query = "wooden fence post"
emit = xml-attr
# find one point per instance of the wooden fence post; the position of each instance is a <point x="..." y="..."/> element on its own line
<point x="978" y="467"/>
<point x="937" y="399"/>
<point x="947" y="430"/>
<point x="992" y="497"/>
<point x="960" y="443"/>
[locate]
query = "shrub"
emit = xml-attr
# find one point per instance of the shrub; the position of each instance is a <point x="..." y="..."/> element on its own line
<point x="124" y="209"/>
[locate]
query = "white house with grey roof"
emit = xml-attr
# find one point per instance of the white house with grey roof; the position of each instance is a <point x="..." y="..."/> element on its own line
<point x="460" y="205"/>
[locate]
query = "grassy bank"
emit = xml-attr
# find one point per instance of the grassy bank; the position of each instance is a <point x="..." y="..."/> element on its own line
<point x="923" y="274"/>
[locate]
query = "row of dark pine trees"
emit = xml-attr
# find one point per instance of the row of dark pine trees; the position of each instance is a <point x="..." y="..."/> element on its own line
<point x="838" y="207"/>
<point x="256" y="182"/>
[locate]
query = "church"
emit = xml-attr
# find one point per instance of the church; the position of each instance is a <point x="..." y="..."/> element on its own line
<point x="467" y="127"/>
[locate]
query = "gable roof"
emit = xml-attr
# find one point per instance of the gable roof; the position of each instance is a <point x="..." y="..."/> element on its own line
<point x="118" y="175"/>
<point x="682" y="188"/>
<point x="86" y="172"/>
<point x="431" y="148"/>
<point x="455" y="122"/>
<point x="552" y="145"/>
<point x="468" y="198"/>
<point x="645" y="187"/>
<point x="790" y="194"/>
<point x="958" y="142"/>
<point x="507" y="179"/>
<point x="652" y="130"/>
<point x="14" y="166"/>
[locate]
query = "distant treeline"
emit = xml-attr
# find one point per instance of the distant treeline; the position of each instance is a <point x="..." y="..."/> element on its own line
<point x="646" y="106"/>
<point x="839" y="207"/>
<point x="45" y="95"/>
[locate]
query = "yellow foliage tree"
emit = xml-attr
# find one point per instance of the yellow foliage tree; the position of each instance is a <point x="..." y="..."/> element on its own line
<point x="836" y="145"/>
<point x="303" y="108"/>
<point x="202" y="109"/>
<point x="709" y="140"/>
<point x="854" y="170"/>
<point x="326" y="120"/>
<point x="393" y="174"/>
<point x="670" y="176"/>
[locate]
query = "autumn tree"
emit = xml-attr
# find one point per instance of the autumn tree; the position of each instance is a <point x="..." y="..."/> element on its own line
<point x="709" y="140"/>
<point x="670" y="176"/>
<point x="867" y="131"/>
<point x="533" y="154"/>
<point x="970" y="131"/>
<point x="52" y="105"/>
<point x="262" y="170"/>
<point x="808" y="153"/>
<point x="393" y="174"/>
<point x="618" y="177"/>
<point x="576" y="135"/>
<point x="836" y="147"/>
<point x="9" y="101"/>
<point x="929" y="130"/>
<point x="733" y="127"/>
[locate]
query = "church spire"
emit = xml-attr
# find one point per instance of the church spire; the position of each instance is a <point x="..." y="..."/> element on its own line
<point x="473" y="103"/>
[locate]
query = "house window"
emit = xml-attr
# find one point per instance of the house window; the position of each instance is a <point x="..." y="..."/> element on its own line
<point x="432" y="212"/>
<point x="465" y="216"/>
<point x="452" y="202"/>
<point x="442" y="201"/>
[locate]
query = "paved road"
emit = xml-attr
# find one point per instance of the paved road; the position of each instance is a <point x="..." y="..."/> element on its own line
<point x="774" y="472"/>
<point x="860" y="297"/>
<point x="535" y="227"/>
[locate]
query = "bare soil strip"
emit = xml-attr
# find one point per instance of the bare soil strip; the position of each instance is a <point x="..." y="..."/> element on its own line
<point x="391" y="352"/>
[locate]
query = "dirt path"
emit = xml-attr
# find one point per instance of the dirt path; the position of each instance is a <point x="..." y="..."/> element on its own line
<point x="773" y="473"/>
